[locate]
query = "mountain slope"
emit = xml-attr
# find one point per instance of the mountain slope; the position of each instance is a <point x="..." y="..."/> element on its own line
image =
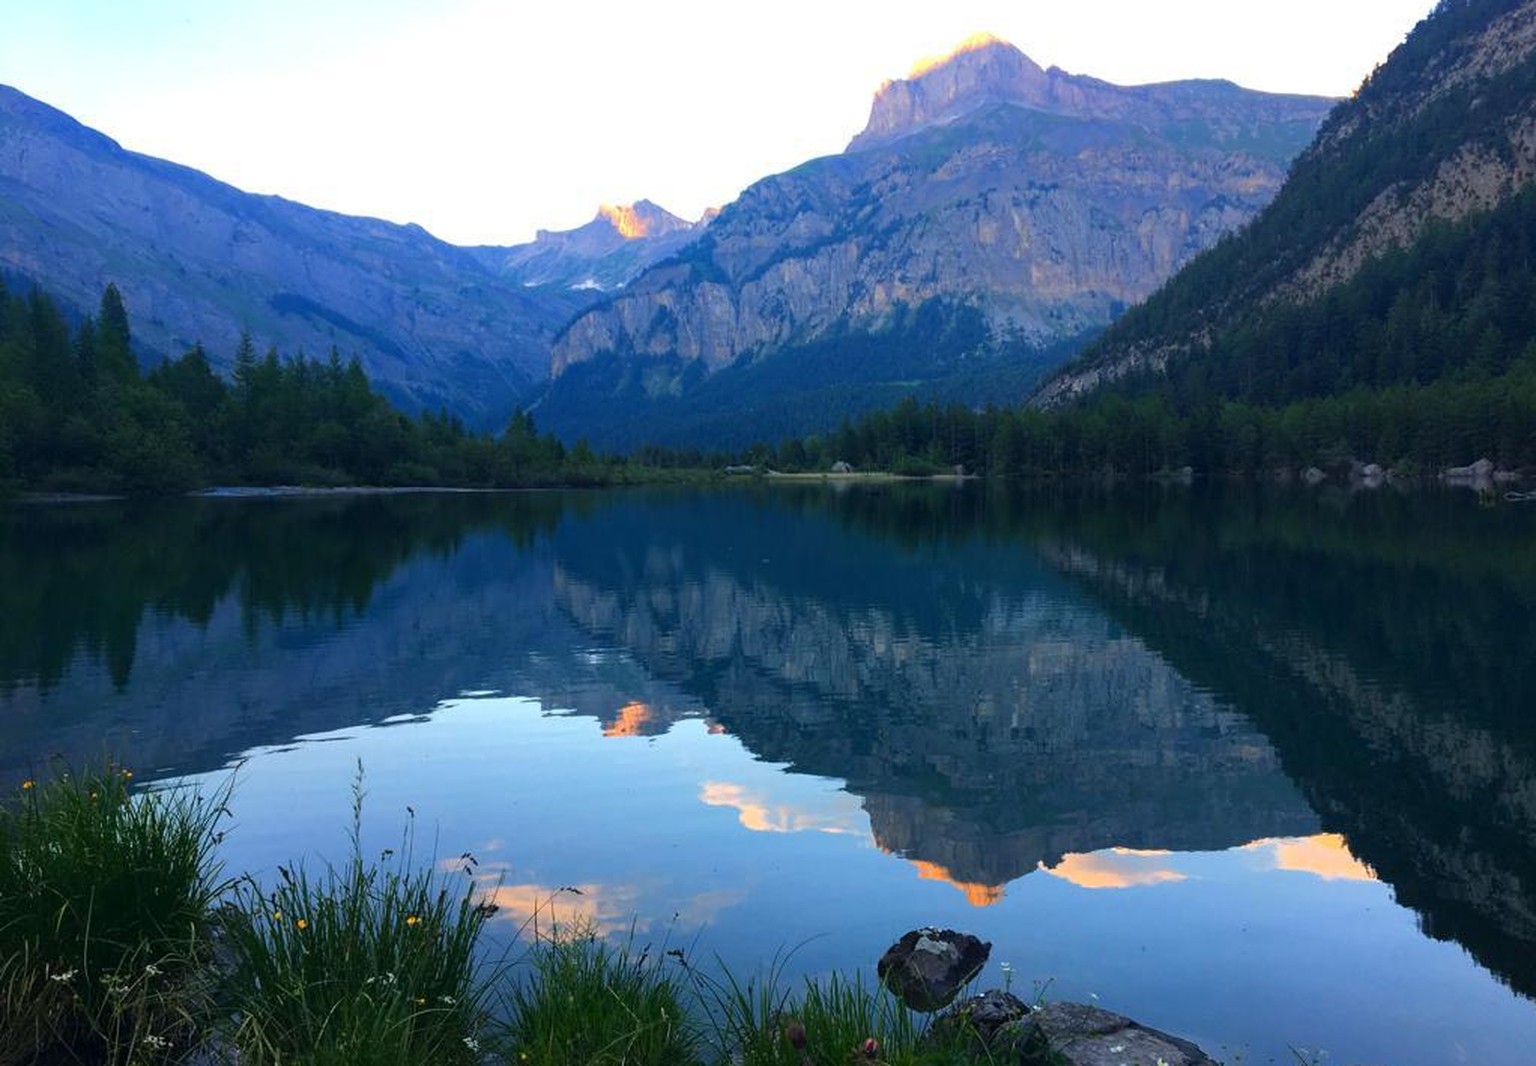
<point x="1019" y="209"/>
<point x="1398" y="251"/>
<point x="199" y="260"/>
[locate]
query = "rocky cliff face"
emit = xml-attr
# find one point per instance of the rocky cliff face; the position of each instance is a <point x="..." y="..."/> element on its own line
<point x="603" y="255"/>
<point x="1441" y="133"/>
<point x="1046" y="201"/>
<point x="199" y="260"/>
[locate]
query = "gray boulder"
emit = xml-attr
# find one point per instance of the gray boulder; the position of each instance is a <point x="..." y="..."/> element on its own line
<point x="997" y="1027"/>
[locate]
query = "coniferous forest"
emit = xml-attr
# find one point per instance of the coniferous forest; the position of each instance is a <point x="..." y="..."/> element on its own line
<point x="78" y="415"/>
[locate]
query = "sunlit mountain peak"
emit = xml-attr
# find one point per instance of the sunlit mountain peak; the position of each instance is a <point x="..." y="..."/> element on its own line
<point x="625" y="219"/>
<point x="974" y="43"/>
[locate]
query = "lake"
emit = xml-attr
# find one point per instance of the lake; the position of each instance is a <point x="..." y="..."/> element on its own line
<point x="1254" y="766"/>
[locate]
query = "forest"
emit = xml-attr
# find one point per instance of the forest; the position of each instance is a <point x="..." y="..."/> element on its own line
<point x="1411" y="429"/>
<point x="77" y="414"/>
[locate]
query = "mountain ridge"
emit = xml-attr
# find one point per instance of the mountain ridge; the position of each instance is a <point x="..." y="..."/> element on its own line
<point x="1046" y="224"/>
<point x="1438" y="145"/>
<point x="200" y="260"/>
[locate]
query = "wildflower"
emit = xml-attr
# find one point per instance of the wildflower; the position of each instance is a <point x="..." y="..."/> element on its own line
<point x="871" y="1048"/>
<point x="301" y="924"/>
<point x="421" y="1001"/>
<point x="277" y="916"/>
<point x="412" y="920"/>
<point x="151" y="970"/>
<point x="447" y="1000"/>
<point x="159" y="1043"/>
<point x="29" y="784"/>
<point x="67" y="975"/>
<point x="127" y="775"/>
<point x="471" y="1043"/>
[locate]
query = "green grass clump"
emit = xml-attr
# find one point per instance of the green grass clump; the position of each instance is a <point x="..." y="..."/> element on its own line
<point x="105" y="900"/>
<point x="368" y="963"/>
<point x="590" y="1003"/>
<point x="834" y="1022"/>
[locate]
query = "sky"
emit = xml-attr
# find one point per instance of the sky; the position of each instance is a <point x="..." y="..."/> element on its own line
<point x="485" y="120"/>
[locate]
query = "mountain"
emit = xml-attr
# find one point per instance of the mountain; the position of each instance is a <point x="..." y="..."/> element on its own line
<point x="603" y="255"/>
<point x="990" y="217"/>
<point x="198" y="260"/>
<point x="1400" y="250"/>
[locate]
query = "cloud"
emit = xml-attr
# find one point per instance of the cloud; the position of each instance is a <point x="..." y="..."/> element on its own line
<point x="1116" y="868"/>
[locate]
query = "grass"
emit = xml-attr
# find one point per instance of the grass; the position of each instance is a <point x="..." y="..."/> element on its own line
<point x="587" y="1001"/>
<point x="105" y="913"/>
<point x="365" y="963"/>
<point x="837" y="1021"/>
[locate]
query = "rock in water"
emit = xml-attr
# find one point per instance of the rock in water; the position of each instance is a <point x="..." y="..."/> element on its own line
<point x="927" y="967"/>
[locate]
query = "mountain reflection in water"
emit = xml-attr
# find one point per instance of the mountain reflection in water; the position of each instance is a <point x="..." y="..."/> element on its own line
<point x="1124" y="694"/>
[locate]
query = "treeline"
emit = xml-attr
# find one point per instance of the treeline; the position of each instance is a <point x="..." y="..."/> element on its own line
<point x="77" y="414"/>
<point x="1412" y="428"/>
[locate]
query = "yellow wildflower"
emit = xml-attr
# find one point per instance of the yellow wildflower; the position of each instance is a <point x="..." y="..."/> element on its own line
<point x="301" y="924"/>
<point x="411" y="919"/>
<point x="28" y="784"/>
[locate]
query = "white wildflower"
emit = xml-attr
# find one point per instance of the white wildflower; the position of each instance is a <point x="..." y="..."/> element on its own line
<point x="471" y="1043"/>
<point x="67" y="975"/>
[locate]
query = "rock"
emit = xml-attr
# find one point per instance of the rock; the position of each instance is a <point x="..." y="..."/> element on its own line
<point x="1482" y="470"/>
<point x="977" y="1021"/>
<point x="927" y="967"/>
<point x="1083" y="1035"/>
<point x="1000" y="1028"/>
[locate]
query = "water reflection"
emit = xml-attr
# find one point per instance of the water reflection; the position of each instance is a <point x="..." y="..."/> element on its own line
<point x="1090" y="725"/>
<point x="988" y="716"/>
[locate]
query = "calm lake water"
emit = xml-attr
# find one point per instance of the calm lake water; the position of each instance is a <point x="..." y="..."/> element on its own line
<point x="1258" y="768"/>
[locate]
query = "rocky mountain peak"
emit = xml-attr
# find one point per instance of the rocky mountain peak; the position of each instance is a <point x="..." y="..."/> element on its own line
<point x="981" y="69"/>
<point x="640" y="219"/>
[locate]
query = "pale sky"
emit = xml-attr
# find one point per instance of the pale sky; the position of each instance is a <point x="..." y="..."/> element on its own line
<point x="484" y="120"/>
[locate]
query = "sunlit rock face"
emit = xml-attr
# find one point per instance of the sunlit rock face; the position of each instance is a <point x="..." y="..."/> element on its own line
<point x="1046" y="201"/>
<point x="604" y="254"/>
